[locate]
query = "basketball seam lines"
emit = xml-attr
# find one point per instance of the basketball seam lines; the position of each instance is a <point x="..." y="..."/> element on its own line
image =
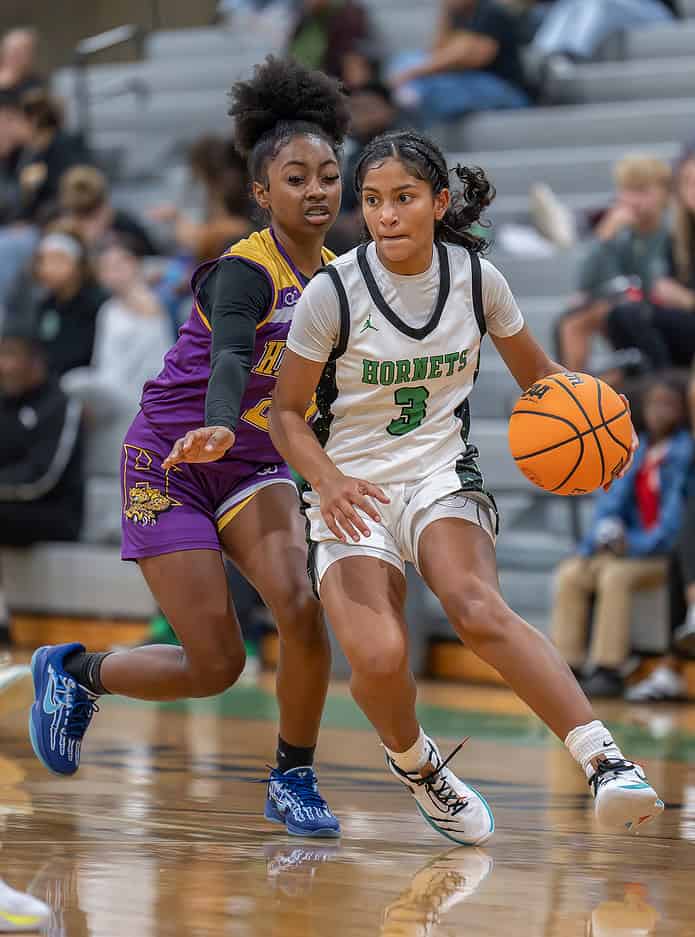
<point x="614" y="438"/>
<point x="589" y="424"/>
<point x="577" y="433"/>
<point x="574" y="467"/>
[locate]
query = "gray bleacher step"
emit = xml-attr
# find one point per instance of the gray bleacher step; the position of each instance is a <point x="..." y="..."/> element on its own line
<point x="624" y="123"/>
<point x="576" y="169"/>
<point x="667" y="40"/>
<point x="544" y="276"/>
<point x="403" y="30"/>
<point x="534" y="551"/>
<point x="176" y="115"/>
<point x="622" y="81"/>
<point x="195" y="45"/>
<point x="527" y="590"/>
<point x="74" y="579"/>
<point x="496" y="463"/>
<point x="516" y="209"/>
<point x="156" y="77"/>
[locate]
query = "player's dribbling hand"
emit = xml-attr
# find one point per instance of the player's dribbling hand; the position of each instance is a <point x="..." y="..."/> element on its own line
<point x="206" y="444"/>
<point x="633" y="448"/>
<point x="340" y="497"/>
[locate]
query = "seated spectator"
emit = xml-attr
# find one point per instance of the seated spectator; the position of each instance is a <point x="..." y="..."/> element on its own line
<point x="362" y="66"/>
<point x="40" y="457"/>
<point x="62" y="300"/>
<point x="372" y="112"/>
<point x="621" y="275"/>
<point x="84" y="200"/>
<point x="10" y="151"/>
<point x="325" y="32"/>
<point x="635" y="526"/>
<point x="666" y="683"/>
<point x="42" y="153"/>
<point x="576" y="28"/>
<point x="475" y="65"/>
<point x="17" y="238"/>
<point x="216" y="212"/>
<point x="18" y="70"/>
<point x="49" y="152"/>
<point x="677" y="288"/>
<point x="132" y="336"/>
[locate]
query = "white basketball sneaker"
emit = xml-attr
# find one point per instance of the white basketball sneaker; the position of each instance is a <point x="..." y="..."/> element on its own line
<point x="445" y="881"/>
<point x="20" y="913"/>
<point x="454" y="809"/>
<point x="625" y="800"/>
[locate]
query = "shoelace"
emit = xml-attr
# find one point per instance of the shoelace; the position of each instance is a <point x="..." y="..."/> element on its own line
<point x="613" y="766"/>
<point x="303" y="787"/>
<point x="444" y="793"/>
<point x="80" y="711"/>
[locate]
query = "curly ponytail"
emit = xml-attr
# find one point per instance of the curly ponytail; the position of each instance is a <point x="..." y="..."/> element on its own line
<point x="424" y="160"/>
<point x="466" y="206"/>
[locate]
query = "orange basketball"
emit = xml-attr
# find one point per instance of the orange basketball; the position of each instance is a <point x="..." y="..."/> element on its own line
<point x="570" y="433"/>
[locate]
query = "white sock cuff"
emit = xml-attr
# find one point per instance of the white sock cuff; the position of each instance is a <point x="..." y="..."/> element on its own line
<point x="414" y="757"/>
<point x="586" y="742"/>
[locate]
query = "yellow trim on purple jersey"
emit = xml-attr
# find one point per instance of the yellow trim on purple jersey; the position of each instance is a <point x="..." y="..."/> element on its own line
<point x="206" y="321"/>
<point x="262" y="251"/>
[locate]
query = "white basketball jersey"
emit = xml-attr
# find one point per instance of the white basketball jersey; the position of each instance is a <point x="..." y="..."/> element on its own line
<point x="393" y="399"/>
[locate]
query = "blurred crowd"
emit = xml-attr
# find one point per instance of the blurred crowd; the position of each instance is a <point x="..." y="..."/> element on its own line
<point x="91" y="296"/>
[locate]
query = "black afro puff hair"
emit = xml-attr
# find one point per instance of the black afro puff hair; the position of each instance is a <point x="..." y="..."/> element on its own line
<point x="282" y="92"/>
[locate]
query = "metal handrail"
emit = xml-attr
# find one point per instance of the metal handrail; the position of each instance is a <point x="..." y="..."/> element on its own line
<point x="88" y="47"/>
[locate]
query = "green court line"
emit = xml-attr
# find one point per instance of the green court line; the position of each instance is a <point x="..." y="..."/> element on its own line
<point x="252" y="702"/>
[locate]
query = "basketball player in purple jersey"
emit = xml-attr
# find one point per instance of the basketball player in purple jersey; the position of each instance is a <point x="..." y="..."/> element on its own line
<point x="201" y="475"/>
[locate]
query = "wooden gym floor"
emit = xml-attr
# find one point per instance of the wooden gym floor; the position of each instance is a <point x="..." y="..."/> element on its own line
<point x="161" y="833"/>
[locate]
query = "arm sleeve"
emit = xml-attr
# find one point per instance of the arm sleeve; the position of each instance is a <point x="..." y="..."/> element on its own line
<point x="236" y="296"/>
<point x="316" y="321"/>
<point x="502" y="314"/>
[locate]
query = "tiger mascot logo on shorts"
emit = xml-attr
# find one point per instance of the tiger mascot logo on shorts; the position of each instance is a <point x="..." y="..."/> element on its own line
<point x="145" y="503"/>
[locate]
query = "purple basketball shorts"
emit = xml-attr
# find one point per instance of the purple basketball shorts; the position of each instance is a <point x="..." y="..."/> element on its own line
<point x="185" y="507"/>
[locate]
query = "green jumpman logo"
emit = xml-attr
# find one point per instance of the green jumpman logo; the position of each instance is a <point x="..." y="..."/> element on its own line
<point x="368" y="325"/>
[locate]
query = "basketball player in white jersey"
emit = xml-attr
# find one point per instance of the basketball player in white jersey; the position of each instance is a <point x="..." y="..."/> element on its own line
<point x="389" y="336"/>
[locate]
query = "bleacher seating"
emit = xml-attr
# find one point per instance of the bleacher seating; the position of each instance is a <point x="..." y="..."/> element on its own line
<point x="638" y="97"/>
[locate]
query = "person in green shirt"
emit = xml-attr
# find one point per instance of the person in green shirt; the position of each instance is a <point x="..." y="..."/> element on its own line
<point x="327" y="33"/>
<point x="621" y="273"/>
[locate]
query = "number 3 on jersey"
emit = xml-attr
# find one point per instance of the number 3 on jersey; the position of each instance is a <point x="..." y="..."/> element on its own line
<point x="413" y="404"/>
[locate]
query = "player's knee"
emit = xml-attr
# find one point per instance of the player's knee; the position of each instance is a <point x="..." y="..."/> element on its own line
<point x="384" y="657"/>
<point x="476" y="612"/>
<point x="569" y="572"/>
<point x="298" y="615"/>
<point x="218" y="673"/>
<point x="613" y="576"/>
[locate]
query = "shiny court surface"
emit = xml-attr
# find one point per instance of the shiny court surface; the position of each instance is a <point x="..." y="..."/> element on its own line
<point x="161" y="832"/>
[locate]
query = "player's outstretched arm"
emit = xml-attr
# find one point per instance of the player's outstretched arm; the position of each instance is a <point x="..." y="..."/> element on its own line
<point x="295" y="441"/>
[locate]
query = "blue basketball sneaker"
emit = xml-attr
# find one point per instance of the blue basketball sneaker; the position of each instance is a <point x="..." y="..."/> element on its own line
<point x="61" y="712"/>
<point x="294" y="800"/>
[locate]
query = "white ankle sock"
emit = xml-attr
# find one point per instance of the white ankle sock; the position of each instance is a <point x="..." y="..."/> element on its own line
<point x="586" y="742"/>
<point x="415" y="757"/>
